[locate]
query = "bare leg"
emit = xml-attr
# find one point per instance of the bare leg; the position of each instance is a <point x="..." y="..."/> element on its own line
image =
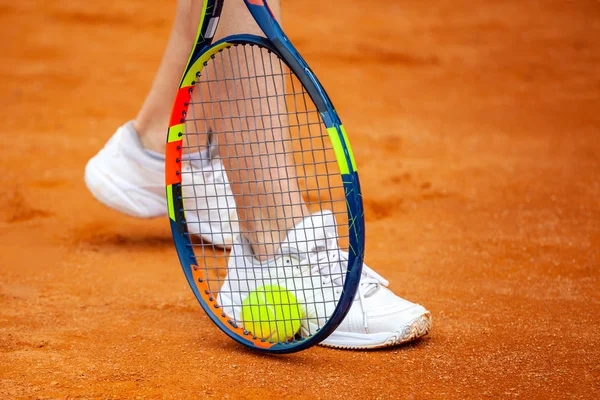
<point x="256" y="154"/>
<point x="276" y="204"/>
<point x="262" y="177"/>
<point x="152" y="120"/>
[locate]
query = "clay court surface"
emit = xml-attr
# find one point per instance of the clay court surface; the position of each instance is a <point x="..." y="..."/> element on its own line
<point x="476" y="128"/>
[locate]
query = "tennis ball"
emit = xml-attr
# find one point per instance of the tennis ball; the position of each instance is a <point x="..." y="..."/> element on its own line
<point x="272" y="313"/>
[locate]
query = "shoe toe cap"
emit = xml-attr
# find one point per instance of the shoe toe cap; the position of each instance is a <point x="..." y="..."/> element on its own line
<point x="387" y="312"/>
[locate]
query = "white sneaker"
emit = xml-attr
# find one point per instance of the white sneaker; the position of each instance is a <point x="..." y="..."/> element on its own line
<point x="125" y="177"/>
<point x="312" y="266"/>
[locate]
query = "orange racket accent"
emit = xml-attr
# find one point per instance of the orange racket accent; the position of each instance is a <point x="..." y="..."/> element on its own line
<point x="180" y="107"/>
<point x="211" y="301"/>
<point x="173" y="167"/>
<point x="257" y="2"/>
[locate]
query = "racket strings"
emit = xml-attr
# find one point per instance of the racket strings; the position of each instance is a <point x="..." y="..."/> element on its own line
<point x="250" y="107"/>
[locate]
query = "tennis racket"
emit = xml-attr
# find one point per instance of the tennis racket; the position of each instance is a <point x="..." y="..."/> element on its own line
<point x="257" y="152"/>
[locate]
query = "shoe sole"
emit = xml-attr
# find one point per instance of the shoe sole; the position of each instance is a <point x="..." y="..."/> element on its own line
<point x="417" y="328"/>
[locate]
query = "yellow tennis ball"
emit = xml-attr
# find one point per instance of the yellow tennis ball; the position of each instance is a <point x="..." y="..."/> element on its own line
<point x="272" y="313"/>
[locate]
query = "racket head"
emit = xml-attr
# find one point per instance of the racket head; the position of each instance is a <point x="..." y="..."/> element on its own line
<point x="331" y="183"/>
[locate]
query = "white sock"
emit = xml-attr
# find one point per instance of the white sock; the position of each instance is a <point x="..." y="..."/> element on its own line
<point x="154" y="154"/>
<point x="151" y="158"/>
<point x="202" y="155"/>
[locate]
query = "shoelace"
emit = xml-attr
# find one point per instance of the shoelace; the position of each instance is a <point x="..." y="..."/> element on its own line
<point x="329" y="264"/>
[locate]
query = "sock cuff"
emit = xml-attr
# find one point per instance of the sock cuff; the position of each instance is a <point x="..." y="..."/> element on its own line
<point x="150" y="158"/>
<point x="198" y="155"/>
<point x="132" y="147"/>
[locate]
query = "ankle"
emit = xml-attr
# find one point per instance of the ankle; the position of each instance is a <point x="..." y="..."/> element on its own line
<point x="149" y="138"/>
<point x="264" y="251"/>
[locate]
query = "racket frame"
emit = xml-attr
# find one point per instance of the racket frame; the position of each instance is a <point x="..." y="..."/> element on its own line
<point x="277" y="42"/>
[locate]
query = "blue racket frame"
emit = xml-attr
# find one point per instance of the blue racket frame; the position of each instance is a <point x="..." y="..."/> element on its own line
<point x="277" y="42"/>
